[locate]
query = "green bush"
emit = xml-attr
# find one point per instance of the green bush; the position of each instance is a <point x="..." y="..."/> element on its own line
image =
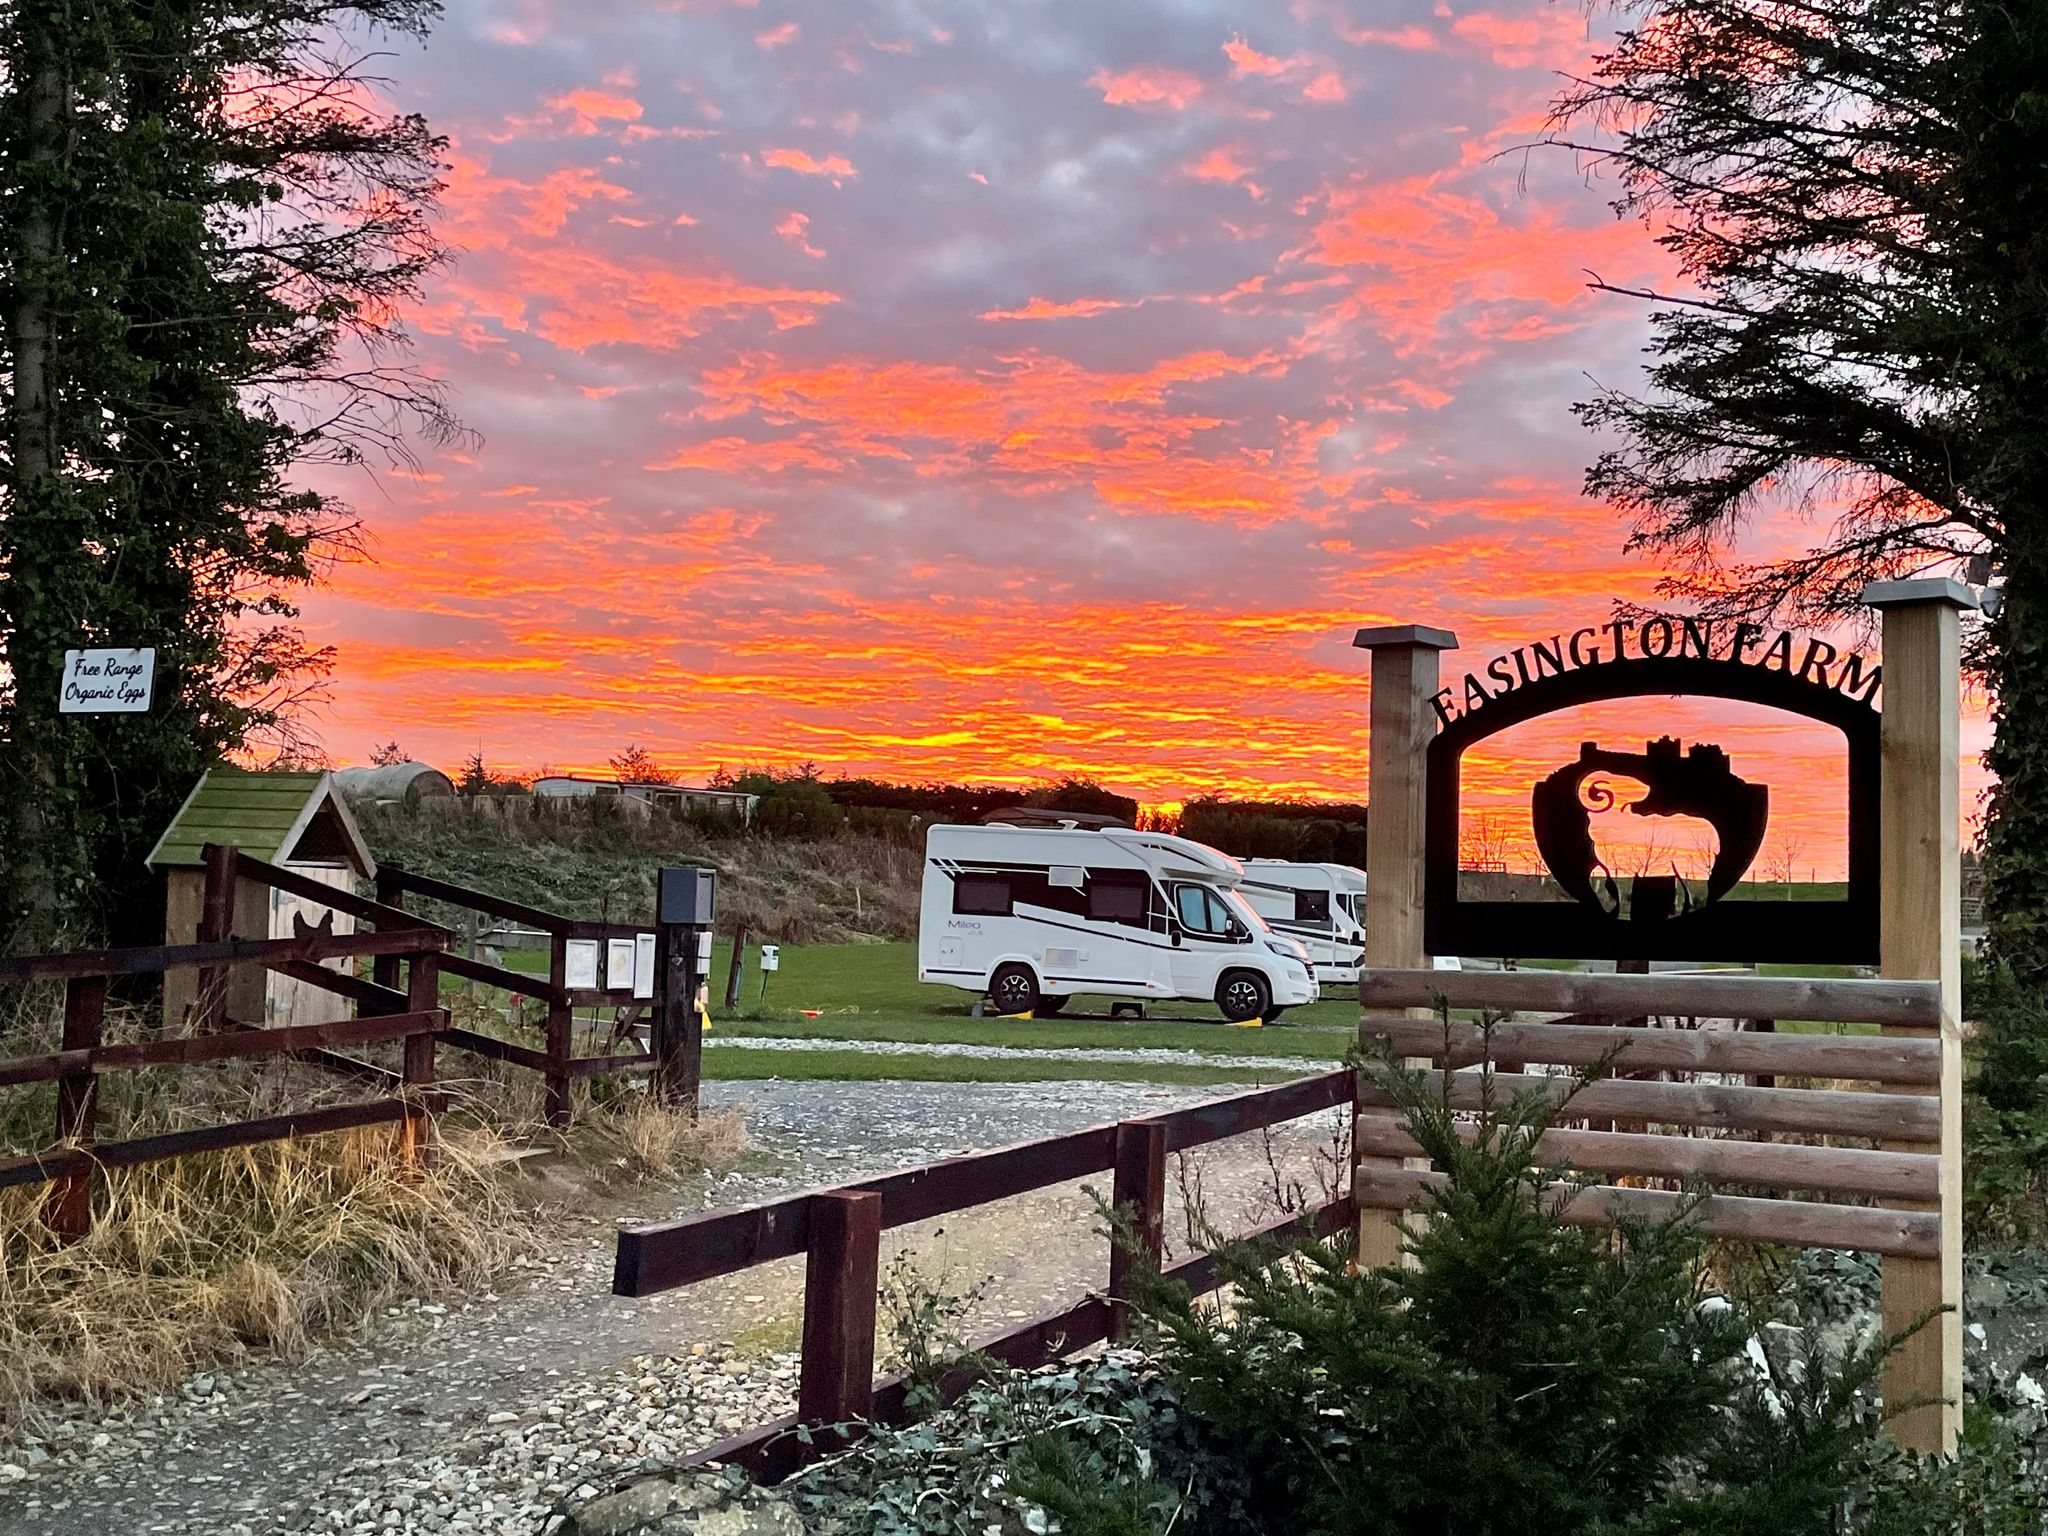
<point x="2005" y="1112"/>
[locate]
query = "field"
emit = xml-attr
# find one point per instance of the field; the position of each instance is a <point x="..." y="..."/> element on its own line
<point x="858" y="1012"/>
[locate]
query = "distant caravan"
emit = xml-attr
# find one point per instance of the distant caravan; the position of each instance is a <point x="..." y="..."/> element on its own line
<point x="1031" y="916"/>
<point x="1323" y="905"/>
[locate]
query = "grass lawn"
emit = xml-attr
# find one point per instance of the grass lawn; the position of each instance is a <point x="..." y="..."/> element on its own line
<point x="870" y="994"/>
<point x="1023" y="1067"/>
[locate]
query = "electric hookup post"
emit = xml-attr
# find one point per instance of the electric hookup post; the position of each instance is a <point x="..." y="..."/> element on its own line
<point x="686" y="904"/>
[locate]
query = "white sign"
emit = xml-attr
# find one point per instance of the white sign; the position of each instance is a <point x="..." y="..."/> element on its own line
<point x="771" y="957"/>
<point x="107" y="682"/>
<point x="643" y="965"/>
<point x="618" y="964"/>
<point x="580" y="972"/>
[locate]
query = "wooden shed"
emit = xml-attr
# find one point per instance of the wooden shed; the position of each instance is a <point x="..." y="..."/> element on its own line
<point x="294" y="818"/>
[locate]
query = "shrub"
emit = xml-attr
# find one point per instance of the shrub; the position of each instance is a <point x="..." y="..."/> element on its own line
<point x="2005" y="1113"/>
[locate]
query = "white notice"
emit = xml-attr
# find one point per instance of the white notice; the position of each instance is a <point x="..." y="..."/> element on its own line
<point x="643" y="965"/>
<point x="618" y="965"/>
<point x="107" y="682"/>
<point x="581" y="969"/>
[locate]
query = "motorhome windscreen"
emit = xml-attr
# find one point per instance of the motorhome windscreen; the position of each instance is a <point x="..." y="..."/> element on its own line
<point x="1246" y="912"/>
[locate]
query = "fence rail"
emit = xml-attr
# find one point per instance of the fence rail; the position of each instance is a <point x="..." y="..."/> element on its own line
<point x="838" y="1230"/>
<point x="399" y="1003"/>
<point x="556" y="1059"/>
<point x="84" y="1056"/>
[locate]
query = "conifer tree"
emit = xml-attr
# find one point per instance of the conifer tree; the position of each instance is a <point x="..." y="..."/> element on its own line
<point x="1846" y="382"/>
<point x="208" y="224"/>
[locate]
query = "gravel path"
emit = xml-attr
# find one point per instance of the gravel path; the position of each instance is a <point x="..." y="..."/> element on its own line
<point x="480" y="1415"/>
<point x="1145" y="1056"/>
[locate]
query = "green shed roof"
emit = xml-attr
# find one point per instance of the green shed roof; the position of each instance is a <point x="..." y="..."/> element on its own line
<point x="282" y="817"/>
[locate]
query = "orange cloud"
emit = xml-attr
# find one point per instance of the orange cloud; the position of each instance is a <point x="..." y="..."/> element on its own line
<point x="1222" y="164"/>
<point x="1148" y="85"/>
<point x="588" y="110"/>
<point x="775" y="37"/>
<point x="838" y="167"/>
<point x="1247" y="60"/>
<point x="1048" y="309"/>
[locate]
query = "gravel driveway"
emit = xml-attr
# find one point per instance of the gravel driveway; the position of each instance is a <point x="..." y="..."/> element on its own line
<point x="480" y="1415"/>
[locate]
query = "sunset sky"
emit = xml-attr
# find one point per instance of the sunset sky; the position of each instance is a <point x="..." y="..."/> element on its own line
<point x="988" y="390"/>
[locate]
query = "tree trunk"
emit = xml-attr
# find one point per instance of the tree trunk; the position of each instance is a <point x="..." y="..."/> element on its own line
<point x="34" y="656"/>
<point x="2016" y="831"/>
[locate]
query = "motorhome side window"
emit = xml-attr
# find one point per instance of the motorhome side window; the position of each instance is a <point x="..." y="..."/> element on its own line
<point x="1202" y="911"/>
<point x="1119" y="896"/>
<point x="1311" y="906"/>
<point x="982" y="896"/>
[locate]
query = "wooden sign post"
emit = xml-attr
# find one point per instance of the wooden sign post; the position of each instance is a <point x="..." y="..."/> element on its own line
<point x="1903" y="908"/>
<point x="1404" y="680"/>
<point x="1921" y="934"/>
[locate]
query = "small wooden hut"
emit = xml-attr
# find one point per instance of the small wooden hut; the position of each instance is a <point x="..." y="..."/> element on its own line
<point x="298" y="819"/>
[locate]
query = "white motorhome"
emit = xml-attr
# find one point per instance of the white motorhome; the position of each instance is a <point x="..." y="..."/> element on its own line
<point x="1323" y="905"/>
<point x="1032" y="916"/>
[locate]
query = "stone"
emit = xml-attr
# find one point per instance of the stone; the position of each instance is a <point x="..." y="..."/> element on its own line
<point x="689" y="1504"/>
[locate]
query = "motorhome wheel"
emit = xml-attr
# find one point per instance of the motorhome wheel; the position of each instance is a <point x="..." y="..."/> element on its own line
<point x="1014" y="989"/>
<point x="1243" y="995"/>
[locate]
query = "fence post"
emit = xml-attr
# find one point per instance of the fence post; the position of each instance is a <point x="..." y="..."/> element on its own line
<point x="560" y="1026"/>
<point x="1139" y="1196"/>
<point x="677" y="1037"/>
<point x="391" y="893"/>
<point x="67" y="1210"/>
<point x="732" y="976"/>
<point x="841" y="1271"/>
<point x="216" y="926"/>
<point x="1920" y="926"/>
<point x="1402" y="721"/>
<point x="422" y="994"/>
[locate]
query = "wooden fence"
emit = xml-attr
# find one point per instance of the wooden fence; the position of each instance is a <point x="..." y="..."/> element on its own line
<point x="1906" y="1113"/>
<point x="839" y="1232"/>
<point x="84" y="1056"/>
<point x="556" y="1061"/>
<point x="398" y="1001"/>
<point x="839" y="1229"/>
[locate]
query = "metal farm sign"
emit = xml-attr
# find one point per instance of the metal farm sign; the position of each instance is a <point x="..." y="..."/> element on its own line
<point x="1655" y="916"/>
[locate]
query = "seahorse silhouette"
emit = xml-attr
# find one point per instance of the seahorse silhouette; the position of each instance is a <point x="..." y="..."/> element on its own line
<point x="1699" y="783"/>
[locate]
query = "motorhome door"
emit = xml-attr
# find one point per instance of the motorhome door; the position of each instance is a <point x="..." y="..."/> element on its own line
<point x="1209" y="931"/>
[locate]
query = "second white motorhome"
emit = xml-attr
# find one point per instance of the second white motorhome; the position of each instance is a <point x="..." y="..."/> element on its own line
<point x="1323" y="905"/>
<point x="1031" y="916"/>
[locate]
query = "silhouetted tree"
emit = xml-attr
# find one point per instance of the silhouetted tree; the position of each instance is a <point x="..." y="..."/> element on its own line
<point x="636" y="765"/>
<point x="1855" y="193"/>
<point x="209" y="229"/>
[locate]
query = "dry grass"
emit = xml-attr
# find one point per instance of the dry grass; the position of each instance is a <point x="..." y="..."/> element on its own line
<point x="203" y="1259"/>
<point x="641" y="1140"/>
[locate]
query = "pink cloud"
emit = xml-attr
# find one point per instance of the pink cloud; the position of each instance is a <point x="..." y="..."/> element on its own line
<point x="1048" y="309"/>
<point x="1549" y="39"/>
<point x="1148" y="85"/>
<point x="795" y="228"/>
<point x="838" y="167"/>
<point x="775" y="37"/>
<point x="1327" y="88"/>
<point x="1247" y="60"/>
